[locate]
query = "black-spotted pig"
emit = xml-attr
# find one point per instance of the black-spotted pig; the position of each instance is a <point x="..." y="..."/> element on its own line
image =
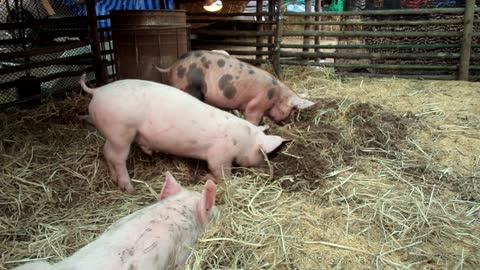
<point x="159" y="236"/>
<point x="160" y="118"/>
<point x="225" y="82"/>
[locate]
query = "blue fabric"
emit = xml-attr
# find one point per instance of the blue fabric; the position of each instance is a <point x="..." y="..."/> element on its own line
<point x="75" y="7"/>
<point x="103" y="7"/>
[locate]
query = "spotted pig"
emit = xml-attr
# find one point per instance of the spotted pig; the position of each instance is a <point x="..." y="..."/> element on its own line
<point x="225" y="82"/>
<point x="158" y="237"/>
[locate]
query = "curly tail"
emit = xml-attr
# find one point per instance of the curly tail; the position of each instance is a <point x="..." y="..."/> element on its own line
<point x="161" y="69"/>
<point x="84" y="86"/>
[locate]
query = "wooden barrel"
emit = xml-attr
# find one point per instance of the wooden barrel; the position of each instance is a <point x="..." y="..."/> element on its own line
<point x="142" y="38"/>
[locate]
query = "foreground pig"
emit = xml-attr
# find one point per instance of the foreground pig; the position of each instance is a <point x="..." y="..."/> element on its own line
<point x="161" y="118"/>
<point x="157" y="237"/>
<point x="228" y="83"/>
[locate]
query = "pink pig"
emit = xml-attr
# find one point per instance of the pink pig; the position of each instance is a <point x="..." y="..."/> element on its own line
<point x="161" y="118"/>
<point x="225" y="82"/>
<point x="157" y="237"/>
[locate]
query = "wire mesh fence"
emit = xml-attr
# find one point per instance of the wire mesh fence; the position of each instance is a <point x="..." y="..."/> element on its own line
<point x="32" y="35"/>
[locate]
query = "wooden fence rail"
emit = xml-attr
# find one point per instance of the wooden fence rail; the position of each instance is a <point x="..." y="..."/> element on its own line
<point x="275" y="43"/>
<point x="445" y="46"/>
<point x="370" y="34"/>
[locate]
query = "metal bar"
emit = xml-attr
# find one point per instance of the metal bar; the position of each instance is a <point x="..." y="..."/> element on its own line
<point x="379" y="66"/>
<point x="226" y="33"/>
<point x="278" y="39"/>
<point x="317" y="26"/>
<point x="382" y="23"/>
<point x="374" y="34"/>
<point x="383" y="12"/>
<point x="191" y="14"/>
<point x="32" y="65"/>
<point x="95" y="42"/>
<point x="249" y="52"/>
<point x="233" y="43"/>
<point x="218" y="20"/>
<point x="253" y="61"/>
<point x="259" y="9"/>
<point x="413" y="56"/>
<point x="388" y="46"/>
<point x="63" y="74"/>
<point x="306" y="39"/>
<point x="402" y="76"/>
<point x="44" y="22"/>
<point x="271" y="9"/>
<point x="40" y="51"/>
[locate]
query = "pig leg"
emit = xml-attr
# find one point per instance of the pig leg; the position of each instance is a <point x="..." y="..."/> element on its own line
<point x="220" y="169"/>
<point x="116" y="156"/>
<point x="254" y="111"/>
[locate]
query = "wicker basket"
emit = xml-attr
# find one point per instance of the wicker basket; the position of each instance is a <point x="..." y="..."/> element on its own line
<point x="229" y="6"/>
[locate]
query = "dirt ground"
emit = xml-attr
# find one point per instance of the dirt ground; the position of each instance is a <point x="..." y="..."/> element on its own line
<point x="379" y="174"/>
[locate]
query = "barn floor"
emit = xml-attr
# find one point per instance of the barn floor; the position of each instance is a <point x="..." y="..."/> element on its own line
<point x="381" y="173"/>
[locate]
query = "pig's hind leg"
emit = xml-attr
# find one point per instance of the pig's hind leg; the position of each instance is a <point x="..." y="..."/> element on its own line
<point x="116" y="153"/>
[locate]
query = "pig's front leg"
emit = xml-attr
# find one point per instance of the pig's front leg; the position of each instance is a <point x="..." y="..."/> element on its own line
<point x="254" y="111"/>
<point x="220" y="168"/>
<point x="116" y="156"/>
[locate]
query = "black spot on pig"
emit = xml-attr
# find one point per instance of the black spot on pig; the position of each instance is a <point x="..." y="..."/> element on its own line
<point x="271" y="93"/>
<point x="234" y="142"/>
<point x="274" y="81"/>
<point x="196" y="82"/>
<point x="225" y="84"/>
<point x="241" y="65"/>
<point x="237" y="77"/>
<point x="251" y="71"/>
<point x="181" y="71"/>
<point x="132" y="267"/>
<point x="185" y="55"/>
<point x="193" y="141"/>
<point x="221" y="62"/>
<point x="229" y="65"/>
<point x="206" y="63"/>
<point x="198" y="53"/>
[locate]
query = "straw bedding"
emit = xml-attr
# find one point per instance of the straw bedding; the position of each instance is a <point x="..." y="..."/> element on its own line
<point x="379" y="174"/>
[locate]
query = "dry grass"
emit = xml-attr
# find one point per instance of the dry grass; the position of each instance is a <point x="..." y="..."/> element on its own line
<point x="379" y="174"/>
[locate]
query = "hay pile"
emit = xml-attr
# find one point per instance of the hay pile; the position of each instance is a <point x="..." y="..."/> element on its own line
<point x="379" y="174"/>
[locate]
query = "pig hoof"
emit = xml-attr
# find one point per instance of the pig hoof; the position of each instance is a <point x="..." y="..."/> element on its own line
<point x="207" y="177"/>
<point x="127" y="189"/>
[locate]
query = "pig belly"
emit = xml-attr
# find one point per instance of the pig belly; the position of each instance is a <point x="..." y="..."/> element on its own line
<point x="187" y="138"/>
<point x="173" y="142"/>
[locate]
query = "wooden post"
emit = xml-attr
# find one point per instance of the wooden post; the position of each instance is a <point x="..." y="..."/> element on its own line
<point x="463" y="70"/>
<point x="259" y="27"/>
<point x="306" y="39"/>
<point x="278" y="39"/>
<point x="317" y="27"/>
<point x="271" y="9"/>
<point x="95" y="42"/>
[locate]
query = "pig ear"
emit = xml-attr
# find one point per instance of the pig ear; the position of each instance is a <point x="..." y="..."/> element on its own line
<point x="221" y="51"/>
<point x="208" y="201"/>
<point x="300" y="103"/>
<point x="268" y="143"/>
<point x="171" y="186"/>
<point x="208" y="195"/>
